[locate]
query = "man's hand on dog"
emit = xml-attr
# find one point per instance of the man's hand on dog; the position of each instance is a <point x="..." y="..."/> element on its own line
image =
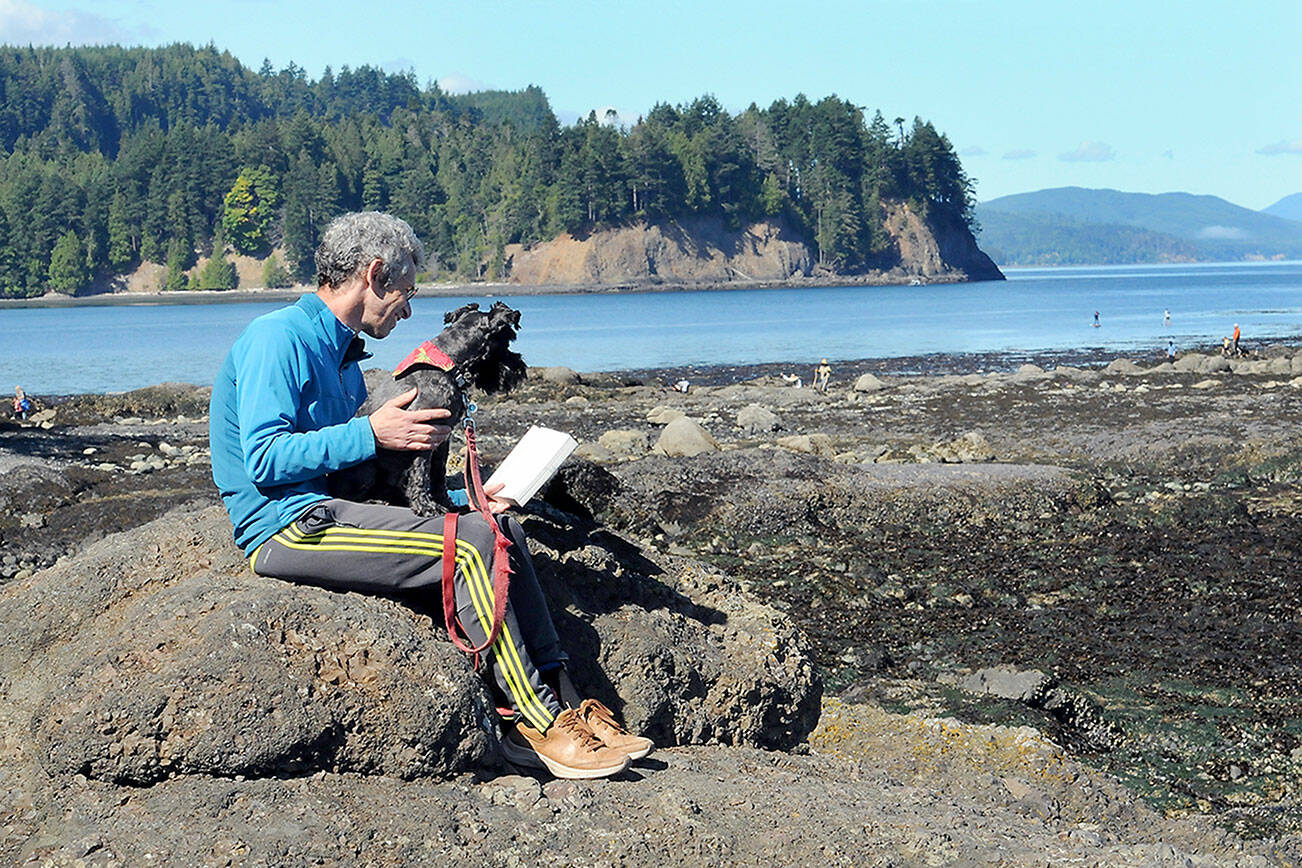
<point x="398" y="428"/>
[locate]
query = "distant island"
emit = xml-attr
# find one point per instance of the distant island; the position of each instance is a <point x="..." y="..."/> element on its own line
<point x="1078" y="226"/>
<point x="178" y="168"/>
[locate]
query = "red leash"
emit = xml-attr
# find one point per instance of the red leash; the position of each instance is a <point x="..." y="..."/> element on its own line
<point x="501" y="560"/>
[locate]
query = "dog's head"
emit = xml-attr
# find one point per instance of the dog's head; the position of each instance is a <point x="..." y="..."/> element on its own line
<point x="480" y="344"/>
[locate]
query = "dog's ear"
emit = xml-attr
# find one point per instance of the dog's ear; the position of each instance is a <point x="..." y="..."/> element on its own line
<point x="465" y="309"/>
<point x="500" y="314"/>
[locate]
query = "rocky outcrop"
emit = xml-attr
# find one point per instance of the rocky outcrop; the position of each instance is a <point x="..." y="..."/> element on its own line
<point x="939" y="247"/>
<point x="704" y="250"/>
<point x="692" y="251"/>
<point x="157" y="654"/>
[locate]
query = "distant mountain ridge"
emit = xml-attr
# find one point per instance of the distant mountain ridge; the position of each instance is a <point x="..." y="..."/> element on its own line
<point x="1290" y="208"/>
<point x="1078" y="226"/>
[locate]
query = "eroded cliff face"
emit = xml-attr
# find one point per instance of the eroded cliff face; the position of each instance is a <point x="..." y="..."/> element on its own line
<point x="696" y="251"/>
<point x="705" y="251"/>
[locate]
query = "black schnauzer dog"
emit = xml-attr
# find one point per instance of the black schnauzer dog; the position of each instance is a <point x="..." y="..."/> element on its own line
<point x="472" y="350"/>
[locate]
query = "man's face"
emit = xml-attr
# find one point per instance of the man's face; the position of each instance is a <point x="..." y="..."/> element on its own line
<point x="385" y="308"/>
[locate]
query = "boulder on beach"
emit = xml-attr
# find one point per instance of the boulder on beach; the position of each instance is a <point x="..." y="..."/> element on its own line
<point x="1030" y="374"/>
<point x="625" y="442"/>
<point x="558" y="374"/>
<point x="224" y="673"/>
<point x="755" y="419"/>
<point x="971" y="447"/>
<point x="685" y="437"/>
<point x="810" y="444"/>
<point x="663" y="415"/>
<point x="868" y="383"/>
<point x="1214" y="365"/>
<point x="1122" y="366"/>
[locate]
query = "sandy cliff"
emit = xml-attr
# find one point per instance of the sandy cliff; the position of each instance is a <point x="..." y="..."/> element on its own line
<point x="704" y="250"/>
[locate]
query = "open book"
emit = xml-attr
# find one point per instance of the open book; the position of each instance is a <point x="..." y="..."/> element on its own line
<point x="533" y="461"/>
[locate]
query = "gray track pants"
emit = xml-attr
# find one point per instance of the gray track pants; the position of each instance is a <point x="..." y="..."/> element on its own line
<point x="373" y="548"/>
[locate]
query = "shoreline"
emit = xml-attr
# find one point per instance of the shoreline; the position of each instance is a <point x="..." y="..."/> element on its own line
<point x="486" y="290"/>
<point x="843" y="370"/>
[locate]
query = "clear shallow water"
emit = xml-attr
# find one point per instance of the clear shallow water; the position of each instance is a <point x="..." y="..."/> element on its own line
<point x="119" y="347"/>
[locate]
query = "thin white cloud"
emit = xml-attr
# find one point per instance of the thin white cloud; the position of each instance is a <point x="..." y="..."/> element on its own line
<point x="1283" y="146"/>
<point x="23" y="23"/>
<point x="1089" y="152"/>
<point x="457" y="83"/>
<point x="1018" y="154"/>
<point x="1169" y="154"/>
<point x="973" y="151"/>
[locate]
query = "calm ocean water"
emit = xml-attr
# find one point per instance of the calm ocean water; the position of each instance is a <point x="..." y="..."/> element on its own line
<point x="114" y="348"/>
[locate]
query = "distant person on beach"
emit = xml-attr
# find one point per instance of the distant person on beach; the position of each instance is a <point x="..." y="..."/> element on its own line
<point x="1096" y="319"/>
<point x="282" y="419"/>
<point x="22" y="403"/>
<point x="1234" y="342"/>
<point x="1225" y="346"/>
<point x="682" y="385"/>
<point x="821" y="375"/>
<point x="1170" y="350"/>
<point x="1166" y="317"/>
<point x="791" y="380"/>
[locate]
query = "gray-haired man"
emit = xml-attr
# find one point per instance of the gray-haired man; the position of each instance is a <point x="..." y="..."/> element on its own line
<point x="282" y="418"/>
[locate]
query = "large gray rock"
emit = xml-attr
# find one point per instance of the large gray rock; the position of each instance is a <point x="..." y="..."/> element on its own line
<point x="1191" y="362"/>
<point x="1214" y="364"/>
<point x="1123" y="366"/>
<point x="1019" y="685"/>
<point x="754" y="419"/>
<point x="626" y="442"/>
<point x="1280" y="365"/>
<point x="559" y="374"/>
<point x="968" y="448"/>
<point x="157" y="654"/>
<point x="221" y="672"/>
<point x="1030" y="374"/>
<point x="685" y="437"/>
<point x="868" y="383"/>
<point x="817" y="443"/>
<point x="663" y="415"/>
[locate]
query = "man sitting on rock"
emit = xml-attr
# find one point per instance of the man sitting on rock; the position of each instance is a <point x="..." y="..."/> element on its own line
<point x="281" y="419"/>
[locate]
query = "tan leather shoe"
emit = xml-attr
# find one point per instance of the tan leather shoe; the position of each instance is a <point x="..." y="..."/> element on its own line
<point x="601" y="720"/>
<point x="568" y="749"/>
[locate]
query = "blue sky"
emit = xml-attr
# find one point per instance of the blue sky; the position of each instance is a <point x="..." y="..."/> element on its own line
<point x="1145" y="96"/>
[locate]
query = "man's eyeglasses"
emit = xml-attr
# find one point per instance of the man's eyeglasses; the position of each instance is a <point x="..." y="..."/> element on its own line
<point x="410" y="293"/>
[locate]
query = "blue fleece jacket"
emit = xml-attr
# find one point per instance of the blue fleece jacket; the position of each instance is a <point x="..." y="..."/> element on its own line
<point x="281" y="418"/>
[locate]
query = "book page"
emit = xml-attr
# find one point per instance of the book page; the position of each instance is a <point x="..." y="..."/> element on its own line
<point x="533" y="461"/>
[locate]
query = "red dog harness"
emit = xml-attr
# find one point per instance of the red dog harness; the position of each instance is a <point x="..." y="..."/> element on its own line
<point x="425" y="354"/>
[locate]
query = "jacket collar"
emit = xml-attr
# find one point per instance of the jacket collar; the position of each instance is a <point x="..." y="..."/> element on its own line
<point x="344" y="343"/>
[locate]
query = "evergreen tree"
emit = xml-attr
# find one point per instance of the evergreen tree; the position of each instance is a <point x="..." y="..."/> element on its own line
<point x="179" y="256"/>
<point x="218" y="273"/>
<point x="68" y="272"/>
<point x="275" y="275"/>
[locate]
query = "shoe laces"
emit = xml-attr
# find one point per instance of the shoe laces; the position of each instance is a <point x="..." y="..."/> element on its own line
<point x="576" y="726"/>
<point x="592" y="708"/>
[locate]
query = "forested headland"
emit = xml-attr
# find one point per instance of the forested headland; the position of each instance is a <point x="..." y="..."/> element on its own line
<point x="110" y="157"/>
